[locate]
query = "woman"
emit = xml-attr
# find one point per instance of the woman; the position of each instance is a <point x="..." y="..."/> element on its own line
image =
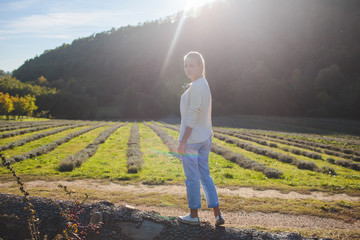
<point x="195" y="140"/>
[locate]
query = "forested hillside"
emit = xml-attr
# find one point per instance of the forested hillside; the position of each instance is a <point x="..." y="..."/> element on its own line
<point x="278" y="57"/>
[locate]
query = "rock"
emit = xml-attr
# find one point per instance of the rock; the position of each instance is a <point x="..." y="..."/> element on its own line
<point x="146" y="230"/>
<point x="96" y="218"/>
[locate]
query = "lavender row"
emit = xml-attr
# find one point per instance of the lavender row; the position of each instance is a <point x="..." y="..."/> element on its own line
<point x="315" y="149"/>
<point x="314" y="144"/>
<point x="38" y="136"/>
<point x="265" y="152"/>
<point x="76" y="160"/>
<point x="167" y="140"/>
<point x="34" y="129"/>
<point x="285" y="158"/>
<point x="245" y="162"/>
<point x="304" y="146"/>
<point x="134" y="154"/>
<point x="19" y="125"/>
<point x="345" y="163"/>
<point x="242" y="161"/>
<point x="51" y="146"/>
<point x="273" y="145"/>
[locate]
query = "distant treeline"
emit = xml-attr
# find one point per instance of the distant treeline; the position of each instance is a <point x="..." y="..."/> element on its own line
<point x="278" y="57"/>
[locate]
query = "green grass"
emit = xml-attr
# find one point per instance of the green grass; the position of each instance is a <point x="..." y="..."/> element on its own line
<point x="159" y="165"/>
<point x="22" y="119"/>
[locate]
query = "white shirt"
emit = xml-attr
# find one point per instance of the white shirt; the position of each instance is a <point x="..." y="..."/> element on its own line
<point x="195" y="110"/>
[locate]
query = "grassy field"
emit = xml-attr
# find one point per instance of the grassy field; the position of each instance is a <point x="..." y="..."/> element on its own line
<point x="160" y="167"/>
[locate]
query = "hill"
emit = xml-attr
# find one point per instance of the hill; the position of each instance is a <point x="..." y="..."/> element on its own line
<point x="283" y="58"/>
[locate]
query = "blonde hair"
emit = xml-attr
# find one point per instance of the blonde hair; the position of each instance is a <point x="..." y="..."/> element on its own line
<point x="197" y="56"/>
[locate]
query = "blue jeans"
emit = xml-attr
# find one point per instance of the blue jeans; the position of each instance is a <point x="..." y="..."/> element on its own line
<point x="196" y="168"/>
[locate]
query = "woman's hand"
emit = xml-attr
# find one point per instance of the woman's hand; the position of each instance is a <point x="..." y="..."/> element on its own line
<point x="181" y="148"/>
<point x="182" y="145"/>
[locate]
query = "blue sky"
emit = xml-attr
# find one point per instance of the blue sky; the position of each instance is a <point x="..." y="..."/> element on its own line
<point x="28" y="27"/>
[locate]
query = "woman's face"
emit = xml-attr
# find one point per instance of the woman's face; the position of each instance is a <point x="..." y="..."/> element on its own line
<point x="193" y="69"/>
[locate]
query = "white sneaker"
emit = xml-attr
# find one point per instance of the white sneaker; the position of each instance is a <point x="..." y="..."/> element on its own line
<point x="219" y="220"/>
<point x="189" y="220"/>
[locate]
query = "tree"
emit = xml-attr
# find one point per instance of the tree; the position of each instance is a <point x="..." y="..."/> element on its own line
<point x="6" y="104"/>
<point x="42" y="81"/>
<point x="24" y="105"/>
<point x="20" y="105"/>
<point x="30" y="104"/>
<point x="4" y="74"/>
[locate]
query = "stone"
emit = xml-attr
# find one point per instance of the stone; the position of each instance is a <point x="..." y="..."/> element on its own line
<point x="96" y="218"/>
<point x="147" y="230"/>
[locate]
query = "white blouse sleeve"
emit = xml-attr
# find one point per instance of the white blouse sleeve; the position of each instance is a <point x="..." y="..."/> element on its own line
<point x="196" y="105"/>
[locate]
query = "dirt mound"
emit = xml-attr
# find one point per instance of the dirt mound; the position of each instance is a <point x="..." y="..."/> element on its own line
<point x="120" y="222"/>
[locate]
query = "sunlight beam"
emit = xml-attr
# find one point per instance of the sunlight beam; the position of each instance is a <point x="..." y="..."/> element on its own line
<point x="173" y="42"/>
<point x="189" y="5"/>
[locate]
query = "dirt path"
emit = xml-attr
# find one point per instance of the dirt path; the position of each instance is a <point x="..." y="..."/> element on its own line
<point x="180" y="189"/>
<point x="265" y="220"/>
<point x="238" y="219"/>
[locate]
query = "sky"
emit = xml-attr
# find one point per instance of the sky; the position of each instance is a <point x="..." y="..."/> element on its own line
<point x="29" y="27"/>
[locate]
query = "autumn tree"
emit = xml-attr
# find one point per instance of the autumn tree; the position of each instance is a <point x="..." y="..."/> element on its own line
<point x="42" y="81"/>
<point x="6" y="104"/>
<point x="30" y="105"/>
<point x="24" y="106"/>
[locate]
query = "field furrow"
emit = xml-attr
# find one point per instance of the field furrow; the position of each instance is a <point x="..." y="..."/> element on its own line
<point x="52" y="145"/>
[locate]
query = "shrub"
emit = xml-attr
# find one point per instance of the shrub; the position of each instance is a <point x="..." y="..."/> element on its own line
<point x="132" y="169"/>
<point x="228" y="175"/>
<point x="154" y="181"/>
<point x="66" y="165"/>
<point x="272" y="173"/>
<point x="33" y="221"/>
<point x="274" y="145"/>
<point x="295" y="151"/>
<point x="345" y="163"/>
<point x="328" y="170"/>
<point x="306" y="165"/>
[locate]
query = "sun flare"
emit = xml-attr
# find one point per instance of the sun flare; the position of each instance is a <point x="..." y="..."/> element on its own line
<point x="193" y="4"/>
